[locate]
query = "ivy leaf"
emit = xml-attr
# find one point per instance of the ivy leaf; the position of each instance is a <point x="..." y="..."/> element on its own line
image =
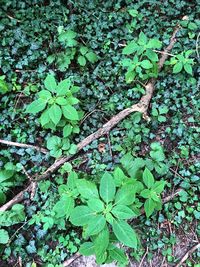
<point x="70" y="112"/>
<point x="177" y="67"/>
<point x="81" y="215"/>
<point x="125" y="233"/>
<point x="107" y="187"/>
<point x="149" y="207"/>
<point x="87" y="249"/>
<point x="36" y="106"/>
<point x="87" y="189"/>
<point x="95" y="225"/>
<point x="148" y="178"/>
<point x="50" y="83"/>
<point x="55" y="113"/>
<point x="188" y="69"/>
<point x="122" y="212"/>
<point x="4" y="237"/>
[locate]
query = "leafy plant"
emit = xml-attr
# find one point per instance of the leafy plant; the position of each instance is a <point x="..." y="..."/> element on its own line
<point x="57" y="103"/>
<point x="159" y="113"/>
<point x="182" y="61"/>
<point x="3" y="85"/>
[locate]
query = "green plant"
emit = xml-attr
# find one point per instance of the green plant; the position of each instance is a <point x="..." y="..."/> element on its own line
<point x="144" y="59"/>
<point x="3" y="85"/>
<point x="182" y="61"/>
<point x="57" y="103"/>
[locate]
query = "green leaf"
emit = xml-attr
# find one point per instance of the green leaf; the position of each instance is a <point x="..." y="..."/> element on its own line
<point x="133" y="12"/>
<point x="68" y="38"/>
<point x="101" y="242"/>
<point x="87" y="249"/>
<point x="148" y="178"/>
<point x="125" y="195"/>
<point x="188" y="69"/>
<point x="50" y="83"/>
<point x="96" y="204"/>
<point x="118" y="255"/>
<point x="2" y="197"/>
<point x="142" y="39"/>
<point x="154" y="43"/>
<point x="82" y="60"/>
<point x="64" y="207"/>
<point x="3" y="86"/>
<point x="45" y="95"/>
<point x="119" y="176"/>
<point x="4" y="237"/>
<point x="53" y="141"/>
<point x="107" y="187"/>
<point x="63" y="87"/>
<point x="125" y="233"/>
<point x="87" y="189"/>
<point x="122" y="212"/>
<point x="36" y="106"/>
<point x="60" y="100"/>
<point x="55" y="113"/>
<point x="130" y="76"/>
<point x="67" y="130"/>
<point x="177" y="67"/>
<point x="70" y="113"/>
<point x="72" y="180"/>
<point x="130" y="48"/>
<point x="83" y="50"/>
<point x="149" y="207"/>
<point x="95" y="225"/>
<point x="146" y="64"/>
<point x="146" y="193"/>
<point x="151" y="55"/>
<point x="158" y="187"/>
<point x="44" y="118"/>
<point x="81" y="215"/>
<point x="91" y="57"/>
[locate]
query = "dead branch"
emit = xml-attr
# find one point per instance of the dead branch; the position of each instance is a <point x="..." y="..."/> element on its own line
<point x="10" y="143"/>
<point x="70" y="260"/>
<point x="141" y="106"/>
<point x="186" y="256"/>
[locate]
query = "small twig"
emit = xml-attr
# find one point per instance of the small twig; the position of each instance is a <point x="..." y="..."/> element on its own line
<point x="10" y="143"/>
<point x="70" y="260"/>
<point x="26" y="173"/>
<point x="140" y="265"/>
<point x="88" y="114"/>
<point x="189" y="252"/>
<point x="163" y="52"/>
<point x="109" y="145"/>
<point x="197" y="45"/>
<point x="10" y="17"/>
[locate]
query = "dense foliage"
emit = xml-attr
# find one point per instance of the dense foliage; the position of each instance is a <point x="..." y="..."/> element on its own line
<point x="66" y="67"/>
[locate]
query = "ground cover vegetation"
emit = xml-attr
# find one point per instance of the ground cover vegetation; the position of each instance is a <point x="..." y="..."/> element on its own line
<point x="73" y="69"/>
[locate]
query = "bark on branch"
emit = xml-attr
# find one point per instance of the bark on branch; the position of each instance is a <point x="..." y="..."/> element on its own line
<point x="141" y="106"/>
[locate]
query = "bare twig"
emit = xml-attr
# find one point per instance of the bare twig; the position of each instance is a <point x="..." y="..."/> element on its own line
<point x="10" y="143"/>
<point x="186" y="256"/>
<point x="70" y="260"/>
<point x="197" y="45"/>
<point x="140" y="265"/>
<point x="141" y="106"/>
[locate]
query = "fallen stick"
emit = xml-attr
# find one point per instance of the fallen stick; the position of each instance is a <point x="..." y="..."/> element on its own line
<point x="141" y="106"/>
<point x="186" y="256"/>
<point x="70" y="260"/>
<point x="10" y="143"/>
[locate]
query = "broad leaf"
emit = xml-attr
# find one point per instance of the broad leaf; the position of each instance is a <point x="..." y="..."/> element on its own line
<point x="87" y="189"/>
<point x="149" y="207"/>
<point x="4" y="237"/>
<point x="44" y="94"/>
<point x="64" y="207"/>
<point x="36" y="106"/>
<point x="81" y="215"/>
<point x="91" y="57"/>
<point x="67" y="130"/>
<point x="55" y="113"/>
<point x="118" y="255"/>
<point x="70" y="113"/>
<point x="87" y="249"/>
<point x="158" y="187"/>
<point x="125" y="233"/>
<point x="119" y="176"/>
<point x="146" y="64"/>
<point x="63" y="87"/>
<point x="44" y="118"/>
<point x="96" y="204"/>
<point x="188" y="69"/>
<point x="130" y="48"/>
<point x="82" y="60"/>
<point x="101" y="242"/>
<point x="95" y="225"/>
<point x="72" y="180"/>
<point x="107" y="187"/>
<point x="178" y="67"/>
<point x="125" y="195"/>
<point x="122" y="212"/>
<point x="148" y="178"/>
<point x="50" y="83"/>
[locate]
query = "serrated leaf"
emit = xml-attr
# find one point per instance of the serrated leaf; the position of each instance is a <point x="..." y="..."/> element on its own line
<point x="81" y="215"/>
<point x="188" y="69"/>
<point x="149" y="207"/>
<point x="87" y="189"/>
<point x="125" y="195"/>
<point x="177" y="67"/>
<point x="70" y="112"/>
<point x="95" y="225"/>
<point x="55" y="113"/>
<point x="146" y="64"/>
<point x="50" y="83"/>
<point x="158" y="187"/>
<point x="36" y="106"/>
<point x="64" y="207"/>
<point x="125" y="233"/>
<point x="119" y="176"/>
<point x="122" y="212"/>
<point x="96" y="204"/>
<point x="63" y="87"/>
<point x="130" y="48"/>
<point x="151" y="55"/>
<point x="87" y="249"/>
<point x="118" y="255"/>
<point x="101" y="242"/>
<point x="148" y="178"/>
<point x="107" y="187"/>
